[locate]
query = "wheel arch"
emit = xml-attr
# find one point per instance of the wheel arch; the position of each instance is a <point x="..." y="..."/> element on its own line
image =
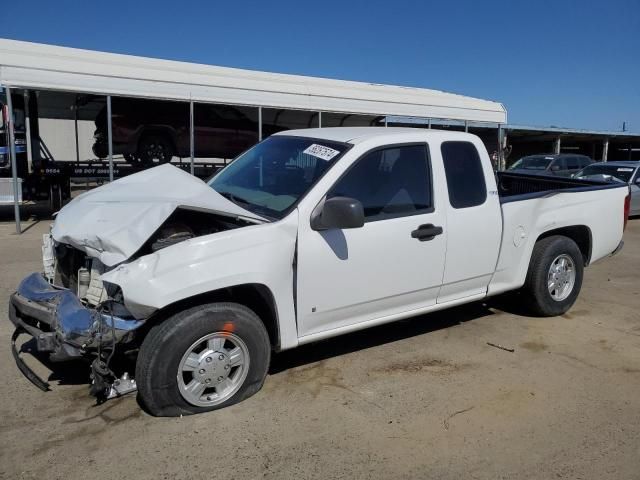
<point x="581" y="234"/>
<point x="255" y="296"/>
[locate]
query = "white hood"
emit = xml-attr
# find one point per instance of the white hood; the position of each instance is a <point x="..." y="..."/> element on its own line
<point x="113" y="221"/>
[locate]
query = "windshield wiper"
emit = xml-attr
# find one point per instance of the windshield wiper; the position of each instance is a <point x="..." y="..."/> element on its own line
<point x="234" y="198"/>
<point x="252" y="207"/>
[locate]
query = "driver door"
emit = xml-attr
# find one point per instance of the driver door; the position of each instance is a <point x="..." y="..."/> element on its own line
<point x="371" y="274"/>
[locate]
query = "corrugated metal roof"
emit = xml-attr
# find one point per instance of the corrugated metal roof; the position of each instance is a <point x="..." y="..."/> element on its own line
<point x="574" y="131"/>
<point x="40" y="66"/>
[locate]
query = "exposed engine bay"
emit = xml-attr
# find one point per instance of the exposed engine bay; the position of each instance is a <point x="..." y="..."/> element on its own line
<point x="73" y="314"/>
<point x="184" y="224"/>
<point x="70" y="268"/>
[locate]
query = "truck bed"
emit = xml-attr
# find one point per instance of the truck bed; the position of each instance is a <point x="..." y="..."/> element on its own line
<point x="514" y="187"/>
<point x="535" y="205"/>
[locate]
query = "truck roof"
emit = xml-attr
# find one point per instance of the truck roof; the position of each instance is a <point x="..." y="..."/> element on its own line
<point x="358" y="134"/>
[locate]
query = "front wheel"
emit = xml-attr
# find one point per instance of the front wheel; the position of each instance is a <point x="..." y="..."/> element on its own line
<point x="100" y="149"/>
<point x="554" y="277"/>
<point x="202" y="359"/>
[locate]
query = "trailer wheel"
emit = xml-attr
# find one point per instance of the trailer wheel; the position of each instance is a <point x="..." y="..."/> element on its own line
<point x="554" y="277"/>
<point x="155" y="149"/>
<point x="202" y="359"/>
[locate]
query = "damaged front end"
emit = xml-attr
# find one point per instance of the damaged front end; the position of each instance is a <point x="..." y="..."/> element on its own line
<point x="71" y="316"/>
<point x="70" y="311"/>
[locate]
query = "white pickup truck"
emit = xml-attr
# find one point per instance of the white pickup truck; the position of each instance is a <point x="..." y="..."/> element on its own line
<point x="309" y="234"/>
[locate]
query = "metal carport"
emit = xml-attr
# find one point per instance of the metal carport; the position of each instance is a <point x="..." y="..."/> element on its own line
<point x="28" y="65"/>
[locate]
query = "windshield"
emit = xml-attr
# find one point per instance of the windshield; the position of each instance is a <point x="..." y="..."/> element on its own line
<point x="270" y="178"/>
<point x="532" y="163"/>
<point x="607" y="172"/>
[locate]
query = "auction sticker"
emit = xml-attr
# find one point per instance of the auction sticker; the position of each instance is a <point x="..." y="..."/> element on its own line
<point x="625" y="169"/>
<point x="320" y="151"/>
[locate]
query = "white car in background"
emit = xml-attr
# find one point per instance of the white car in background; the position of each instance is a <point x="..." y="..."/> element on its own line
<point x="626" y="171"/>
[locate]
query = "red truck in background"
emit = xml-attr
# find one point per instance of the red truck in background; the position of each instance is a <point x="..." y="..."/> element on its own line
<point x="152" y="132"/>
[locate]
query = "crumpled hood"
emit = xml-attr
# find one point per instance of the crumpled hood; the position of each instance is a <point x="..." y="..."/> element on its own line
<point x="113" y="221"/>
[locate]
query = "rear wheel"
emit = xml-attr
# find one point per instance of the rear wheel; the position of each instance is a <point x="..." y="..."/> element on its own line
<point x="155" y="149"/>
<point x="554" y="277"/>
<point x="202" y="359"/>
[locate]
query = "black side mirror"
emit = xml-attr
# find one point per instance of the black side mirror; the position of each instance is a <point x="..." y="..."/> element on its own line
<point x="338" y="212"/>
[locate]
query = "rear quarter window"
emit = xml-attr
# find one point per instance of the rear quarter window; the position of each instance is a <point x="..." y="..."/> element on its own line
<point x="465" y="176"/>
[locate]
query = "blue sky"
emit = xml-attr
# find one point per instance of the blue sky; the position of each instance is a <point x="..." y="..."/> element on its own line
<point x="563" y="63"/>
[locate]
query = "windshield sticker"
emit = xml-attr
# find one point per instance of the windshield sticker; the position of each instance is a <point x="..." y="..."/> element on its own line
<point x="625" y="169"/>
<point x="320" y="151"/>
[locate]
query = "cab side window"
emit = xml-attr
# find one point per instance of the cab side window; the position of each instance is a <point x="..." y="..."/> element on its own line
<point x="390" y="182"/>
<point x="559" y="164"/>
<point x="573" y="163"/>
<point x="584" y="162"/>
<point x="465" y="176"/>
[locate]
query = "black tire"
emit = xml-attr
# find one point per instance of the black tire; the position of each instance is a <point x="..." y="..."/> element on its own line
<point x="100" y="150"/>
<point x="155" y="150"/>
<point x="539" y="300"/>
<point x="166" y="343"/>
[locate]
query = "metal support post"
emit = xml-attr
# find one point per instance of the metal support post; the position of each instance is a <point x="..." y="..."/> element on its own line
<point x="12" y="155"/>
<point x="500" y="161"/>
<point x="605" y="150"/>
<point x="75" y="125"/>
<point x="259" y="124"/>
<point x="319" y="119"/>
<point x="192" y="143"/>
<point x="27" y="124"/>
<point x="557" y="144"/>
<point x="110" y="138"/>
<point x="466" y="126"/>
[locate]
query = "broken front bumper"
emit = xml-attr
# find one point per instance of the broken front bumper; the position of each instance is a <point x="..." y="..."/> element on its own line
<point x="61" y="325"/>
